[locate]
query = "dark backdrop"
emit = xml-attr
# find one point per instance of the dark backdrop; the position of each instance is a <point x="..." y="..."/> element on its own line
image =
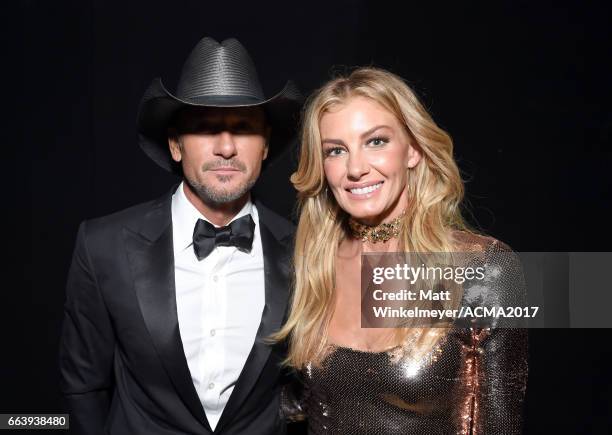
<point x="523" y="88"/>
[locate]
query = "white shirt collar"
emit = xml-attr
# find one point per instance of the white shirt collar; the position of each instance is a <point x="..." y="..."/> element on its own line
<point x="185" y="216"/>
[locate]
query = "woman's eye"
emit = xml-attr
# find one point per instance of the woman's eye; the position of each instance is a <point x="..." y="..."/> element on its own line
<point x="336" y="151"/>
<point x="378" y="141"/>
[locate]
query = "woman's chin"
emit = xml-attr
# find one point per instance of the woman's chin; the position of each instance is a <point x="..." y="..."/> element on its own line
<point x="366" y="218"/>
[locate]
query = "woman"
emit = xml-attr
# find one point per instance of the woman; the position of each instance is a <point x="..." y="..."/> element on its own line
<point x="376" y="174"/>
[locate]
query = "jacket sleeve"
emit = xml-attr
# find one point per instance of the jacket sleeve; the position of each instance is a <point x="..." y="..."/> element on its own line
<point x="500" y="353"/>
<point x="86" y="346"/>
<point x="293" y="398"/>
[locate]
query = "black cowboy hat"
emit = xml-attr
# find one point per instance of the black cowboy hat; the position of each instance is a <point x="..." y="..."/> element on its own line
<point x="214" y="75"/>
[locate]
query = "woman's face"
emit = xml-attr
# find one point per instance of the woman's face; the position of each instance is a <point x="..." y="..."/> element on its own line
<point x="366" y="156"/>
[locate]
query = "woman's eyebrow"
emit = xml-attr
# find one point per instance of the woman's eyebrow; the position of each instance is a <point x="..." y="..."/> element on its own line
<point x="333" y="141"/>
<point x="362" y="135"/>
<point x="372" y="130"/>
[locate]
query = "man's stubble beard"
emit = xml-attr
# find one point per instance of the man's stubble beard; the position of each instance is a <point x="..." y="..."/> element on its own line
<point x="215" y="196"/>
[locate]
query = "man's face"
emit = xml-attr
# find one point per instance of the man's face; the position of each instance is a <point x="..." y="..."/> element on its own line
<point x="221" y="150"/>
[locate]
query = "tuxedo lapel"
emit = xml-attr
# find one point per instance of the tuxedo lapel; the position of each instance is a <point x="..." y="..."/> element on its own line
<point x="150" y="253"/>
<point x="276" y="246"/>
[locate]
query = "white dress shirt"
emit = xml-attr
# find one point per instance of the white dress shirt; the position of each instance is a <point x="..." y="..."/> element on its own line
<point x="219" y="301"/>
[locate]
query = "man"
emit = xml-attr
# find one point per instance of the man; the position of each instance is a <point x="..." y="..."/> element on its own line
<point x="169" y="302"/>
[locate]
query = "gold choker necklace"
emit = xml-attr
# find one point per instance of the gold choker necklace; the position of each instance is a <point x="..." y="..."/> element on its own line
<point x="378" y="233"/>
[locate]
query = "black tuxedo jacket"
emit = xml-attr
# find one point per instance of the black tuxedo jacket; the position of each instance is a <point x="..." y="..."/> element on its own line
<point x="123" y="369"/>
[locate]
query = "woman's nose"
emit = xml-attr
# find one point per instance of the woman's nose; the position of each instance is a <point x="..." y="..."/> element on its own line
<point x="357" y="166"/>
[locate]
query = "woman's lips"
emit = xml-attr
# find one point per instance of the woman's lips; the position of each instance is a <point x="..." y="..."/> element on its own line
<point x="365" y="192"/>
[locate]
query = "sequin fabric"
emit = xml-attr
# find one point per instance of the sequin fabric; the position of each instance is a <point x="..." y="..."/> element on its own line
<point x="473" y="381"/>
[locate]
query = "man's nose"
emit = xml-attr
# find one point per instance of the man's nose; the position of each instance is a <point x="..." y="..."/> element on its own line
<point x="225" y="145"/>
<point x="357" y="166"/>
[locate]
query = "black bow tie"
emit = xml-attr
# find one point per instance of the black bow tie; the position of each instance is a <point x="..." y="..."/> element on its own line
<point x="206" y="236"/>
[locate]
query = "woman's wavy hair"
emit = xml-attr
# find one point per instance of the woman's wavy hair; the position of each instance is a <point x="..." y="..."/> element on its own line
<point x="435" y="192"/>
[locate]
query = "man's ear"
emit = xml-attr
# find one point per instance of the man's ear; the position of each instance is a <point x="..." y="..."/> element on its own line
<point x="175" y="147"/>
<point x="267" y="144"/>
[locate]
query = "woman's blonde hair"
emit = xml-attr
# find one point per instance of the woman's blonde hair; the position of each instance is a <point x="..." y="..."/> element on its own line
<point x="435" y="193"/>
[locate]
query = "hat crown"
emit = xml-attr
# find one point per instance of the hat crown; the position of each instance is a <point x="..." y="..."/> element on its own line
<point x="219" y="70"/>
<point x="214" y="75"/>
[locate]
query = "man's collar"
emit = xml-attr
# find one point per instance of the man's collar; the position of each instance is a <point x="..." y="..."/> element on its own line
<point x="185" y="216"/>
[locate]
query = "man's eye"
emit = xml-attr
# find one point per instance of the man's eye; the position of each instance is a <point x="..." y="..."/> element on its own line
<point x="378" y="141"/>
<point x="242" y="128"/>
<point x="336" y="151"/>
<point x="207" y="129"/>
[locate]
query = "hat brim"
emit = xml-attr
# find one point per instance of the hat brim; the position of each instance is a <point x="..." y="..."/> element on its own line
<point x="158" y="105"/>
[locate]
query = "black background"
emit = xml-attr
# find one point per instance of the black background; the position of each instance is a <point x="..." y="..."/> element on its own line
<point x="522" y="87"/>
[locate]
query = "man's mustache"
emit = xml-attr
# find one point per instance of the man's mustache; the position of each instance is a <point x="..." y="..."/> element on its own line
<point x="231" y="163"/>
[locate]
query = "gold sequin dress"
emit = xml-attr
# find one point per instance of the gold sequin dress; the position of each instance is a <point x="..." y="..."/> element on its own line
<point x="473" y="381"/>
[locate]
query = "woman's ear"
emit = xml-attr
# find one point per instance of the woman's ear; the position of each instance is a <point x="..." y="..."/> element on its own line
<point x="413" y="157"/>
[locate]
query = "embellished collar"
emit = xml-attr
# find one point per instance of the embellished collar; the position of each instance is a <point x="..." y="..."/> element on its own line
<point x="378" y="233"/>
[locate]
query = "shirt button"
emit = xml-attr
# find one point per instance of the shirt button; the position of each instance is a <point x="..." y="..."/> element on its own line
<point x="213" y="332"/>
<point x="211" y="386"/>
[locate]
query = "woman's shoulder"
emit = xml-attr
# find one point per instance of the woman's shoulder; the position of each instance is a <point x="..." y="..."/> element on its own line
<point x="503" y="282"/>
<point x="467" y="241"/>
